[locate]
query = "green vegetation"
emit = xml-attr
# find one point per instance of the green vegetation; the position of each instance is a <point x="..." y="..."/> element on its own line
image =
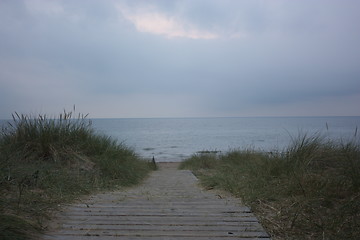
<point x="45" y="162"/>
<point x="310" y="191"/>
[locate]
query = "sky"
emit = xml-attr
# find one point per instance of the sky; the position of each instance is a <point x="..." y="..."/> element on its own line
<point x="180" y="58"/>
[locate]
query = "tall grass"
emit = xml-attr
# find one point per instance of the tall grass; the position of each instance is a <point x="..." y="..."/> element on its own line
<point x="47" y="161"/>
<point x="309" y="191"/>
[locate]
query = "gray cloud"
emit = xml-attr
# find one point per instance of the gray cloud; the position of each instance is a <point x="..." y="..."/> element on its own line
<point x="265" y="57"/>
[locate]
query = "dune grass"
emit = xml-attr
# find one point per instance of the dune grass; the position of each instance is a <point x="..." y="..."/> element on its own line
<point x="45" y="162"/>
<point x="309" y="191"/>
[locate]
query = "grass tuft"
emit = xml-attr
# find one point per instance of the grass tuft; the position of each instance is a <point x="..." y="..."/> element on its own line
<point x="47" y="161"/>
<point x="309" y="191"/>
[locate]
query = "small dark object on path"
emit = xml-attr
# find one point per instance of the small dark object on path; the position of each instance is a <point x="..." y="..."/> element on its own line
<point x="154" y="163"/>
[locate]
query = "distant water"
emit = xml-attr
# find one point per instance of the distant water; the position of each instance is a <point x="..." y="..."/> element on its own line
<point x="174" y="139"/>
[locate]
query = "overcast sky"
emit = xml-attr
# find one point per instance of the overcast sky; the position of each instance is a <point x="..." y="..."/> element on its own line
<point x="180" y="58"/>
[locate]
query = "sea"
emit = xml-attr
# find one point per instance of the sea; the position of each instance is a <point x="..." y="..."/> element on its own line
<point x="175" y="139"/>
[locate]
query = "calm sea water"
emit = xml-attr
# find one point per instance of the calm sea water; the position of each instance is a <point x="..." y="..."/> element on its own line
<point x="174" y="139"/>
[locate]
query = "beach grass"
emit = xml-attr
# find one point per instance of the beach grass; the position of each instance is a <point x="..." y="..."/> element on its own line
<point x="45" y="162"/>
<point x="311" y="190"/>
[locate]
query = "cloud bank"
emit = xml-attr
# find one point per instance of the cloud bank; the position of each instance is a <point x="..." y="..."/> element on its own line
<point x="180" y="58"/>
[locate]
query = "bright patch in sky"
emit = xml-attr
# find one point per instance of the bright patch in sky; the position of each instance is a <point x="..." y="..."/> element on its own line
<point x="150" y="20"/>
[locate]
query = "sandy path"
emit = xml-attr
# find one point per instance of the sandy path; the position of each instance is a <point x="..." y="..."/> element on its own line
<point x="169" y="205"/>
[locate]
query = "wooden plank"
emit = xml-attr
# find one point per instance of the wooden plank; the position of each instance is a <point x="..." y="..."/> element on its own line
<point x="156" y="233"/>
<point x="163" y="227"/>
<point x="146" y="207"/>
<point x="158" y="214"/>
<point x="160" y="222"/>
<point x="62" y="237"/>
<point x="163" y="219"/>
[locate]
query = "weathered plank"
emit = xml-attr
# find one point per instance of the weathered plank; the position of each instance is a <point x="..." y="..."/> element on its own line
<point x="78" y="237"/>
<point x="169" y="205"/>
<point x="163" y="227"/>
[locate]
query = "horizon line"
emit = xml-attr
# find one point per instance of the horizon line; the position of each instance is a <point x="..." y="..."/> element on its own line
<point x="199" y="117"/>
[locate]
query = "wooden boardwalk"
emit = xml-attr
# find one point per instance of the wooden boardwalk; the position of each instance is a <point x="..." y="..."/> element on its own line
<point x="169" y="205"/>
